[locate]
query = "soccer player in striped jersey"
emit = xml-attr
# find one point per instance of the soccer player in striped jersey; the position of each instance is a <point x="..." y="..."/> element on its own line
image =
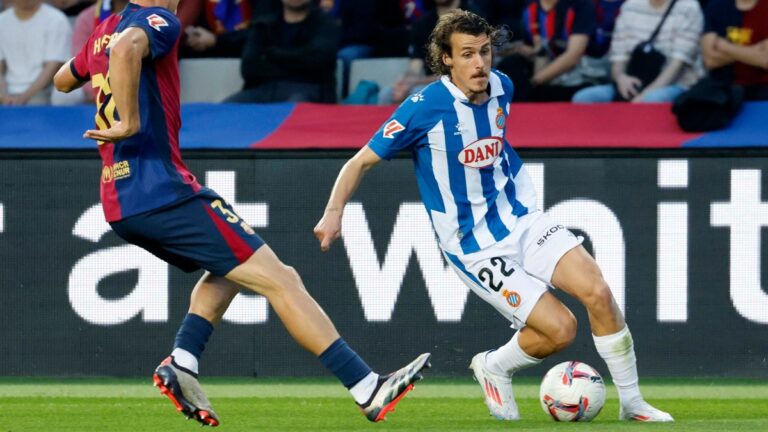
<point x="152" y="200"/>
<point x="483" y="208"/>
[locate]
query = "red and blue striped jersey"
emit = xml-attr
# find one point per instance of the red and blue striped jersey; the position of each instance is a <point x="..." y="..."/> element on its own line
<point x="145" y="171"/>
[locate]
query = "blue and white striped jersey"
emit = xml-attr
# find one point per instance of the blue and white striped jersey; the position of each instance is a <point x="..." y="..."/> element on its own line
<point x="472" y="182"/>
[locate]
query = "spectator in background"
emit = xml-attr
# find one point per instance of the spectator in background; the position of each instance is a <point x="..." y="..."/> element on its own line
<point x="545" y="65"/>
<point x="357" y="21"/>
<point x="418" y="75"/>
<point x="215" y="28"/>
<point x="290" y="56"/>
<point x="71" y="7"/>
<point x="677" y="41"/>
<point x="34" y="43"/>
<point x="735" y="44"/>
<point x="502" y="14"/>
<point x="394" y="19"/>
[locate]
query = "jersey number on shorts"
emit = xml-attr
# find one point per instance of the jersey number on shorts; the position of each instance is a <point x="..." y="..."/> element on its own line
<point x="486" y="275"/>
<point x="231" y="216"/>
<point x="105" y="104"/>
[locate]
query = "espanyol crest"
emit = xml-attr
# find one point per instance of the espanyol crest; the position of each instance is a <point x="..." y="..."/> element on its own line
<point x="481" y="153"/>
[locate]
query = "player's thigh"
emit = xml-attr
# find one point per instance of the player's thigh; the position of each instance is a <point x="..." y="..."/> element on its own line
<point x="578" y="274"/>
<point x="502" y="283"/>
<point x="264" y="273"/>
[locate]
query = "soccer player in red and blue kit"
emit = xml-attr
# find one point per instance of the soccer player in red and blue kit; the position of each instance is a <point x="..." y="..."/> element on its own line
<point x="151" y="200"/>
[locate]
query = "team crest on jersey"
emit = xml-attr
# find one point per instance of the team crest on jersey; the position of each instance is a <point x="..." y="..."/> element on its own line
<point x="481" y="153"/>
<point x="513" y="298"/>
<point x="156" y="21"/>
<point x="501" y="121"/>
<point x="391" y="128"/>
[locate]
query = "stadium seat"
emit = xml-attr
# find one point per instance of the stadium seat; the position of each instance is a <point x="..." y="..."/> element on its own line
<point x="209" y="79"/>
<point x="384" y="71"/>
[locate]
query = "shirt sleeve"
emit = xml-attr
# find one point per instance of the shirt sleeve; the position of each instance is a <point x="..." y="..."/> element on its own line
<point x="690" y="23"/>
<point x="399" y="132"/>
<point x="161" y="26"/>
<point x="620" y="42"/>
<point x="79" y="64"/>
<point x="585" y="17"/>
<point x="58" y="39"/>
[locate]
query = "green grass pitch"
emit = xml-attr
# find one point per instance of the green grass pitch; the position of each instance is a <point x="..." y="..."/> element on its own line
<point x="437" y="404"/>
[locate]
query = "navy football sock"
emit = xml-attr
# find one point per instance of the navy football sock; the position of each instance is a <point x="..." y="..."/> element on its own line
<point x="193" y="334"/>
<point x="344" y="362"/>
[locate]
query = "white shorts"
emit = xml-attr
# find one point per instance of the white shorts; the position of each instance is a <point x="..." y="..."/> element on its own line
<point x="513" y="274"/>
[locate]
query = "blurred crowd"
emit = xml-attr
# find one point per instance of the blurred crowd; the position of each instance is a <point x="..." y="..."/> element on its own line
<point x="585" y="51"/>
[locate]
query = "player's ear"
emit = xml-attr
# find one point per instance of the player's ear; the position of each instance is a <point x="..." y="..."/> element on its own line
<point x="447" y="60"/>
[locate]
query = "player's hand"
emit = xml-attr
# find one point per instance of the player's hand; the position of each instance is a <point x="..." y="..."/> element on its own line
<point x="119" y="131"/>
<point x="328" y="229"/>
<point x="628" y="86"/>
<point x="199" y="38"/>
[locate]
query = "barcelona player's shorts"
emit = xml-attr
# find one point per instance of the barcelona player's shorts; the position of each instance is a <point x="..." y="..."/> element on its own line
<point x="200" y="232"/>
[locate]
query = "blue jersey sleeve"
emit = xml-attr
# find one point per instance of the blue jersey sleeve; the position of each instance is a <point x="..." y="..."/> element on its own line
<point x="400" y="132"/>
<point x="161" y="26"/>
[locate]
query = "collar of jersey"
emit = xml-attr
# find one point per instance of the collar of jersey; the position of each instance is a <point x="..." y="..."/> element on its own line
<point x="493" y="80"/>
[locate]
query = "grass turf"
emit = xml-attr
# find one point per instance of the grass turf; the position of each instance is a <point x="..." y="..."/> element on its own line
<point x="32" y="404"/>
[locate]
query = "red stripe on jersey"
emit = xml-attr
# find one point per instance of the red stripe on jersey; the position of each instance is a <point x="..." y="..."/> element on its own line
<point x="240" y="249"/>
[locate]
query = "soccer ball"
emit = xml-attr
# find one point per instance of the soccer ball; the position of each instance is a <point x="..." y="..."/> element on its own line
<point x="572" y="391"/>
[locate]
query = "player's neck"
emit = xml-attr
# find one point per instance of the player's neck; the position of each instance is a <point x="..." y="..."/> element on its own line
<point x="295" y="15"/>
<point x="478" y="98"/>
<point x="745" y="5"/>
<point x="26" y="13"/>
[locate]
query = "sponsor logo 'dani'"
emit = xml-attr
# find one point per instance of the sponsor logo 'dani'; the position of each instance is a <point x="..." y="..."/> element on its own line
<point x="481" y="153"/>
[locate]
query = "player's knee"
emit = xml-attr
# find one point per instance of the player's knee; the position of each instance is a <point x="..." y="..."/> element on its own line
<point x="599" y="296"/>
<point x="284" y="279"/>
<point x="565" y="333"/>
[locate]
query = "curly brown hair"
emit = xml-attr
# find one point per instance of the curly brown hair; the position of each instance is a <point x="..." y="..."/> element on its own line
<point x="456" y="21"/>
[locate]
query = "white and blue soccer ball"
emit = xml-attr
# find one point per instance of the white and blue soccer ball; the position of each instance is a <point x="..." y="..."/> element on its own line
<point x="572" y="391"/>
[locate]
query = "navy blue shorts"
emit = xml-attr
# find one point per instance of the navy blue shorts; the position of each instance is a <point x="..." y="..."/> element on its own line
<point x="201" y="232"/>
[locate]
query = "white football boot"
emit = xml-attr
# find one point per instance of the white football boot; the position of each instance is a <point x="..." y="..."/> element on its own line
<point x="640" y="410"/>
<point x="497" y="389"/>
<point x="391" y="388"/>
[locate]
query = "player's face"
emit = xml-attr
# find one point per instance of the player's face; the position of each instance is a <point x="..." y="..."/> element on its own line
<point x="470" y="62"/>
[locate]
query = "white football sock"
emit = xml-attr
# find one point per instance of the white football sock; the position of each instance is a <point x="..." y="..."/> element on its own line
<point x="185" y="359"/>
<point x="510" y="358"/>
<point x="618" y="351"/>
<point x="363" y="390"/>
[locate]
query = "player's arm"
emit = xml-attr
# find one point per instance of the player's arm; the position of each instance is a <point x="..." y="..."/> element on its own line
<point x="64" y="80"/>
<point x="753" y="55"/>
<point x="125" y="57"/>
<point x="713" y="58"/>
<point x="577" y="46"/>
<point x="329" y="227"/>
